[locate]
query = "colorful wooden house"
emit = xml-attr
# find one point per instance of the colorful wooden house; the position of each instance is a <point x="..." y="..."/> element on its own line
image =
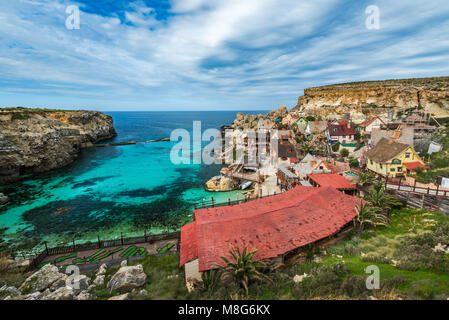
<point x="393" y="159"/>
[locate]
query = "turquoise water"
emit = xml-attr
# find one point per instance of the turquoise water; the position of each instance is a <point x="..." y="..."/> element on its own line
<point x="111" y="190"/>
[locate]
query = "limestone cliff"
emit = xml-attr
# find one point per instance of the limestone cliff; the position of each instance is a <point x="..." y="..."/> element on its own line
<point x="33" y="141"/>
<point x="250" y="121"/>
<point x="361" y="99"/>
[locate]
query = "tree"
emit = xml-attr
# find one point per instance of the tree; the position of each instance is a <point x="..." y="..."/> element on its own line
<point x="335" y="147"/>
<point x="369" y="215"/>
<point x="344" y="152"/>
<point x="310" y="118"/>
<point x="365" y="178"/>
<point x="353" y="163"/>
<point x="242" y="268"/>
<point x="378" y="198"/>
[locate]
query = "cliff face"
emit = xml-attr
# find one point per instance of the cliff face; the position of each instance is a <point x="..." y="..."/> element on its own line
<point x="37" y="141"/>
<point x="249" y="121"/>
<point x="377" y="98"/>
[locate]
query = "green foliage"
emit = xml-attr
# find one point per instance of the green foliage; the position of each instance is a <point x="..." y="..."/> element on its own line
<point x="353" y="163"/>
<point x="417" y="252"/>
<point x="369" y="216"/>
<point x="380" y="199"/>
<point x="365" y="178"/>
<point x="335" y="147"/>
<point x="242" y="268"/>
<point x="310" y="118"/>
<point x="344" y="152"/>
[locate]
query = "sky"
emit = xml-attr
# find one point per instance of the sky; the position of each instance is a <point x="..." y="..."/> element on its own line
<point x="209" y="54"/>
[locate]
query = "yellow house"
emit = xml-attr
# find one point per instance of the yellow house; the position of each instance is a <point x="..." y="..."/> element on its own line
<point x="393" y="159"/>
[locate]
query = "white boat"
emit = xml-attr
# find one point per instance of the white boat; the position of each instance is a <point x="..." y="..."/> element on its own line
<point x="245" y="184"/>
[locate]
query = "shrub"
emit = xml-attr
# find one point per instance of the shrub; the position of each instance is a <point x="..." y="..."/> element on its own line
<point x="335" y="147"/>
<point x="344" y="152"/>
<point x="353" y="163"/>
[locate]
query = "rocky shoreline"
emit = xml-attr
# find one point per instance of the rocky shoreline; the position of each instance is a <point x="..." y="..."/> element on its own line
<point x="35" y="141"/>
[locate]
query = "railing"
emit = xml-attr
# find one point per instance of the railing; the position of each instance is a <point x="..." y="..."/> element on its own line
<point x="393" y="185"/>
<point x="205" y="204"/>
<point x="99" y="244"/>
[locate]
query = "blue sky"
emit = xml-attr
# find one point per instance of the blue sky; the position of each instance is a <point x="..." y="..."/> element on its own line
<point x="209" y="54"/>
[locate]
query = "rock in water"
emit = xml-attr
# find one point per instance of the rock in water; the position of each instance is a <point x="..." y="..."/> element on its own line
<point x="3" y="198"/>
<point x="128" y="278"/>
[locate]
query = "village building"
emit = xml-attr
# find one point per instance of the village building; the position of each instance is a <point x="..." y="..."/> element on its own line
<point x="367" y="126"/>
<point x="315" y="128"/>
<point x="390" y="158"/>
<point x="278" y="227"/>
<point x="333" y="180"/>
<point x="401" y="134"/>
<point x="311" y="164"/>
<point x="343" y="132"/>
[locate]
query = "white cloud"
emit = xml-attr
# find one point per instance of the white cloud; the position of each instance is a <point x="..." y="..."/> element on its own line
<point x="232" y="52"/>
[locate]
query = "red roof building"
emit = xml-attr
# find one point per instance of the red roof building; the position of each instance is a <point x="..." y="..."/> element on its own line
<point x="343" y="128"/>
<point x="332" y="180"/>
<point x="273" y="226"/>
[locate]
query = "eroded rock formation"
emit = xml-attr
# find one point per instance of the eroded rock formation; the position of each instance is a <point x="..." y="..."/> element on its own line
<point x="33" y="141"/>
<point x="363" y="99"/>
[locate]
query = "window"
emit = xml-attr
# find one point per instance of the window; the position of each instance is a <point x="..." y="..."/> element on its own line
<point x="381" y="166"/>
<point x="371" y="161"/>
<point x="399" y="169"/>
<point x="407" y="155"/>
<point x="392" y="169"/>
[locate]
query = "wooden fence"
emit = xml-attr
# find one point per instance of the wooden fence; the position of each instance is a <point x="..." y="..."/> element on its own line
<point x="423" y="201"/>
<point x="98" y="245"/>
<point x="212" y="203"/>
<point x="399" y="186"/>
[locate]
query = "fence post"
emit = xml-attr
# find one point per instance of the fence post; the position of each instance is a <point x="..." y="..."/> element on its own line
<point x="212" y="198"/>
<point x="46" y="247"/>
<point x="428" y="190"/>
<point x="121" y="237"/>
<point x="438" y="188"/>
<point x="229" y="201"/>
<point x="145" y="235"/>
<point x="74" y="247"/>
<point x="414" y="186"/>
<point x="99" y="243"/>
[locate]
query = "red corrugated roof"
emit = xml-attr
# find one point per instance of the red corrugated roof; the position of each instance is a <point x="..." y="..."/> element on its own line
<point x="331" y="179"/>
<point x="412" y="166"/>
<point x="273" y="225"/>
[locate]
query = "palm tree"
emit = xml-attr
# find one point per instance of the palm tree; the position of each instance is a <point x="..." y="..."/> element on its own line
<point x="378" y="198"/>
<point x="243" y="268"/>
<point x="365" y="178"/>
<point x="209" y="280"/>
<point x="369" y="215"/>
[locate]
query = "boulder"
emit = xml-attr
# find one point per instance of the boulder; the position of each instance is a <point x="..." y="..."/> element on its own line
<point x="63" y="293"/>
<point x="61" y="282"/>
<point x="85" y="295"/>
<point x="124" y="263"/>
<point x="128" y="278"/>
<point x="3" y="198"/>
<point x="12" y="291"/>
<point x="42" y="279"/>
<point x="102" y="270"/>
<point x="120" y="297"/>
<point x="80" y="283"/>
<point x="99" y="280"/>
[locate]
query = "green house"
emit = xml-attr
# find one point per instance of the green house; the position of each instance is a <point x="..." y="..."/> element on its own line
<point x="301" y="121"/>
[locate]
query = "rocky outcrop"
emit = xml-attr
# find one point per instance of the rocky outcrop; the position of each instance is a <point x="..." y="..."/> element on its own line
<point x="128" y="278"/>
<point x="220" y="183"/>
<point x="33" y="141"/>
<point x="250" y="121"/>
<point x="376" y="98"/>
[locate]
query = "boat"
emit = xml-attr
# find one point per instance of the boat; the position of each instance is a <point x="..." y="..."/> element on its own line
<point x="245" y="184"/>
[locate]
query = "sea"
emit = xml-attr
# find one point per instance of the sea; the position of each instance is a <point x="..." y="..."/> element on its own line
<point x="112" y="191"/>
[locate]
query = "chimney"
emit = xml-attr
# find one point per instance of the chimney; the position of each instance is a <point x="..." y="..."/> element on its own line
<point x="349" y="125"/>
